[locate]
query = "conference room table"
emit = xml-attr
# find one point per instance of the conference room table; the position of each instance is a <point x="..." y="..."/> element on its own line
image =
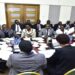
<point x="39" y="46"/>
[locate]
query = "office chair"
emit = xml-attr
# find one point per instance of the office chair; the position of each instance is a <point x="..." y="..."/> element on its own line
<point x="29" y="73"/>
<point x="70" y="72"/>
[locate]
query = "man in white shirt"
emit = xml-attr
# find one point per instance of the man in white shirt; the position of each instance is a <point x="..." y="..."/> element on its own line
<point x="61" y="30"/>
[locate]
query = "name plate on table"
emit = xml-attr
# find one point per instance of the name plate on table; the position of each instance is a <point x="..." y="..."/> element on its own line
<point x="16" y="48"/>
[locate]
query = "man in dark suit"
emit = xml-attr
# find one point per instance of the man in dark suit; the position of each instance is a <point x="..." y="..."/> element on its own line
<point x="28" y="22"/>
<point x="2" y="35"/>
<point x="49" y="23"/>
<point x="63" y="59"/>
<point x="72" y="25"/>
<point x="17" y="27"/>
<point x="38" y="26"/>
<point x="67" y="25"/>
<point x="56" y="26"/>
<point x="5" y="32"/>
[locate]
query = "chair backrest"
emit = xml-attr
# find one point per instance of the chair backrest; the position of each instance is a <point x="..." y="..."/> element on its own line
<point x="71" y="72"/>
<point x="29" y="73"/>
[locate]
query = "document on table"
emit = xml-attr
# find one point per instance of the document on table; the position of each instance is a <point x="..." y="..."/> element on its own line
<point x="16" y="48"/>
<point x="73" y="44"/>
<point x="5" y="54"/>
<point x="47" y="53"/>
<point x="5" y="51"/>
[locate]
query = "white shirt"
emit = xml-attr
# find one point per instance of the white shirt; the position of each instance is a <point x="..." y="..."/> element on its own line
<point x="39" y="27"/>
<point x="71" y="30"/>
<point x="17" y="29"/>
<point x="61" y="32"/>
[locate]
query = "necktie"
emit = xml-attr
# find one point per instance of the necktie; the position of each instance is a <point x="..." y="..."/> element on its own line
<point x="38" y="27"/>
<point x="17" y="28"/>
<point x="74" y="28"/>
<point x="47" y="32"/>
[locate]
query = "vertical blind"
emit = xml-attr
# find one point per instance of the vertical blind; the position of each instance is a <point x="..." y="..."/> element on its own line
<point x="54" y="13"/>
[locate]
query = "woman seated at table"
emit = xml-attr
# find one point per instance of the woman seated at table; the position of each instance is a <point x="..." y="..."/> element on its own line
<point x="28" y="32"/>
<point x="26" y="60"/>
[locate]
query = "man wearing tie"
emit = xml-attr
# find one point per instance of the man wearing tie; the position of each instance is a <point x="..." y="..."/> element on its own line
<point x="16" y="26"/>
<point x="46" y="32"/>
<point x="38" y="26"/>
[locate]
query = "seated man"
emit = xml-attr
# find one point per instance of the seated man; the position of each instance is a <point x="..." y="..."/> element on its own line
<point x="67" y="25"/>
<point x="7" y="32"/>
<point x="2" y="35"/>
<point x="17" y="26"/>
<point x="26" y="60"/>
<point x="63" y="59"/>
<point x="57" y="26"/>
<point x="46" y="32"/>
<point x="38" y="26"/>
<point x="61" y="30"/>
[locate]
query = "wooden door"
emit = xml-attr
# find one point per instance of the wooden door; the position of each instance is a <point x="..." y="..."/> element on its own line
<point x="31" y="12"/>
<point x="13" y="12"/>
<point x="22" y="13"/>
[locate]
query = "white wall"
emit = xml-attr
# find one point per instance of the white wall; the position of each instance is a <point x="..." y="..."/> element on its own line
<point x="33" y="1"/>
<point x="49" y="2"/>
<point x="68" y="2"/>
<point x="65" y="13"/>
<point x="2" y="14"/>
<point x="72" y="17"/>
<point x="44" y="12"/>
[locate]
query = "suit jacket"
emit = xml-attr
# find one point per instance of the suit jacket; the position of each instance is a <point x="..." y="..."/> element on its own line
<point x="13" y="26"/>
<point x="23" y="62"/>
<point x="62" y="61"/>
<point x="66" y="26"/>
<point x="2" y="35"/>
<point x="55" y="27"/>
<point x="43" y="32"/>
<point x="36" y="27"/>
<point x="11" y="33"/>
<point x="7" y="33"/>
<point x="24" y="25"/>
<point x="72" y="25"/>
